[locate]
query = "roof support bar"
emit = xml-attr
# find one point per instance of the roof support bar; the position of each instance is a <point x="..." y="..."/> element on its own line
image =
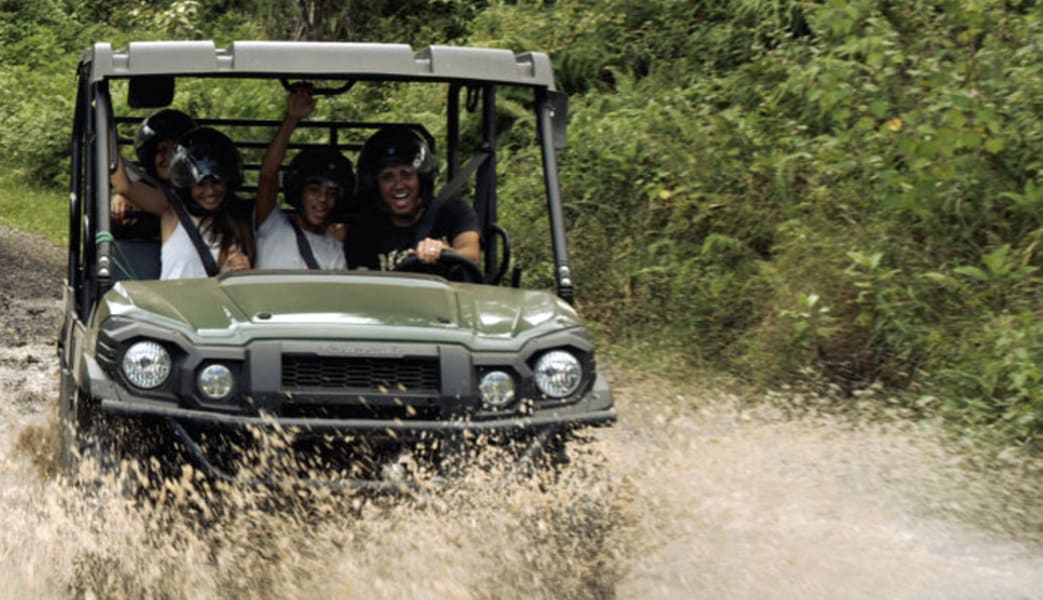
<point x="562" y="268"/>
<point x="485" y="184"/>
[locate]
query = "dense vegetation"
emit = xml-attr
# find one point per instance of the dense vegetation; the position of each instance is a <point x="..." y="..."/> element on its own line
<point x="847" y="191"/>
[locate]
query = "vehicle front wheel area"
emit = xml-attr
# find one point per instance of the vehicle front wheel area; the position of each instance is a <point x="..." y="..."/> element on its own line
<point x="94" y="447"/>
<point x="74" y="423"/>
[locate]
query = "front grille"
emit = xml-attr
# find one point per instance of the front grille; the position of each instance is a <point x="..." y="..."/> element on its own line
<point x="380" y="375"/>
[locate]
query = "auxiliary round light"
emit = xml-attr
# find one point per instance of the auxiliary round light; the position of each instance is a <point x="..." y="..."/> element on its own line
<point x="216" y="382"/>
<point x="497" y="389"/>
<point x="558" y="373"/>
<point x="146" y="364"/>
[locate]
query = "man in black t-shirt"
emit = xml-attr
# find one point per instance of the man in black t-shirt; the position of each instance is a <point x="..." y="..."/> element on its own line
<point x="396" y="175"/>
<point x="376" y="242"/>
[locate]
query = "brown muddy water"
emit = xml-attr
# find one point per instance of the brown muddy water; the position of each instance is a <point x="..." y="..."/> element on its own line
<point x="693" y="494"/>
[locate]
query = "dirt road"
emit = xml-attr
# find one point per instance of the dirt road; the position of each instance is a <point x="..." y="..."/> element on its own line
<point x="694" y="494"/>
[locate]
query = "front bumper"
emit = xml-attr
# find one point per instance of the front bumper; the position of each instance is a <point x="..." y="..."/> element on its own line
<point x="457" y="418"/>
<point x="539" y="430"/>
<point x="210" y="420"/>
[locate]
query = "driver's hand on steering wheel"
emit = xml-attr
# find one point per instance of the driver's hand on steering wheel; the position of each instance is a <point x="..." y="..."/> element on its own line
<point x="429" y="250"/>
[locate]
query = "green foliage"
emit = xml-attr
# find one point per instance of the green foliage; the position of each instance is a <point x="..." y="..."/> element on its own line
<point x="417" y="22"/>
<point x="995" y="381"/>
<point x="177" y="20"/>
<point x="657" y="245"/>
<point x="29" y="138"/>
<point x="35" y="64"/>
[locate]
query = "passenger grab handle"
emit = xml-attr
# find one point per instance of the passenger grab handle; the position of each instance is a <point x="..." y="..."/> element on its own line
<point x="318" y="91"/>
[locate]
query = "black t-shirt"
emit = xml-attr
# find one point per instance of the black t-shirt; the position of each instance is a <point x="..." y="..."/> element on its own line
<point x="374" y="242"/>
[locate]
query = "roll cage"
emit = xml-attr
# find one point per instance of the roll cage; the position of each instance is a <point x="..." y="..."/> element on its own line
<point x="471" y="76"/>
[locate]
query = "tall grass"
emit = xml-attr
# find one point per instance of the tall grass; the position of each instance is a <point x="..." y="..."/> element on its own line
<point x="40" y="211"/>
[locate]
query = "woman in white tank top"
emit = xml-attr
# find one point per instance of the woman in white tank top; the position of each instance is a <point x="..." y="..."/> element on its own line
<point x="205" y="170"/>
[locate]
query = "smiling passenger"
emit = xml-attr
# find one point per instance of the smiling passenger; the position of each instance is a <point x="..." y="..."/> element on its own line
<point x="316" y="183"/>
<point x="396" y="175"/>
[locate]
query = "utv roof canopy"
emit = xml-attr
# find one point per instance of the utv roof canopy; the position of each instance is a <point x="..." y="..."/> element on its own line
<point x="335" y="60"/>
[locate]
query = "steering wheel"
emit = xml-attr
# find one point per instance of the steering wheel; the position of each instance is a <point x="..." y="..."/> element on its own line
<point x="450" y="265"/>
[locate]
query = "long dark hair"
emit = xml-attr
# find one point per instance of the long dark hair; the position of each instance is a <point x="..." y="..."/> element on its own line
<point x="206" y="152"/>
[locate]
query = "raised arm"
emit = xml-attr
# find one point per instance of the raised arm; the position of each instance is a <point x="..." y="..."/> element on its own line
<point x="142" y="195"/>
<point x="299" y="105"/>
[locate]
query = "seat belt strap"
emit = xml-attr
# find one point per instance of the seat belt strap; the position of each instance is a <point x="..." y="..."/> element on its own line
<point x="427" y="222"/>
<point x="303" y="246"/>
<point x="193" y="232"/>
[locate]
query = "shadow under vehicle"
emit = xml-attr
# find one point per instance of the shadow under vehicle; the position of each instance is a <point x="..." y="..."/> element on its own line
<point x="354" y="365"/>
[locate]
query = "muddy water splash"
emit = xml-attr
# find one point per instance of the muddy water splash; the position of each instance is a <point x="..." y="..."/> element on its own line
<point x="695" y="496"/>
<point x="748" y="500"/>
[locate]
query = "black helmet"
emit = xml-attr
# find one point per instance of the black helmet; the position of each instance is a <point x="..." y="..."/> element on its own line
<point x="166" y="124"/>
<point x="318" y="164"/>
<point x="205" y="152"/>
<point x="396" y="145"/>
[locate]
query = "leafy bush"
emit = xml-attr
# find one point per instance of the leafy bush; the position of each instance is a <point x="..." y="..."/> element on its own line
<point x="42" y="42"/>
<point x="993" y="383"/>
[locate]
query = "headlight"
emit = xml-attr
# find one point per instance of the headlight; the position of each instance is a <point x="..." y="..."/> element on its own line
<point x="216" y="382"/>
<point x="558" y="374"/>
<point x="146" y="364"/>
<point x="497" y="389"/>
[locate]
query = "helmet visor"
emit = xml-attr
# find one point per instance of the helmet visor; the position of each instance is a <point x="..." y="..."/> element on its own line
<point x="201" y="161"/>
<point x="410" y="154"/>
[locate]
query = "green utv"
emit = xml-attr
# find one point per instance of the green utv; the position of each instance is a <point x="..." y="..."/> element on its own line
<point x="354" y="366"/>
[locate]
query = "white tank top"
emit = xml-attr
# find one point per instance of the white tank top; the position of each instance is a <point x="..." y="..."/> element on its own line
<point x="179" y="258"/>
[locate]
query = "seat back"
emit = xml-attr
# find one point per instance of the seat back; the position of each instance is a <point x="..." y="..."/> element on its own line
<point x="135" y="259"/>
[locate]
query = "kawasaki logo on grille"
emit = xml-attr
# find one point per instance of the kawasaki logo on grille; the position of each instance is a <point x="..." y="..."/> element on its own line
<point x="348" y="349"/>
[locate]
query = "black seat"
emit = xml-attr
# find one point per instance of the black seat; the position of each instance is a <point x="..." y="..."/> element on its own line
<point x="135" y="259"/>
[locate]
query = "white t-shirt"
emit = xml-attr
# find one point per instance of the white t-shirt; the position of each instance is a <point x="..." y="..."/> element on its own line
<point x="277" y="246"/>
<point x="179" y="258"/>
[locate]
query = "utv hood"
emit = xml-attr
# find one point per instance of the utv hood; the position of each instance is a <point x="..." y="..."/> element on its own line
<point x="303" y="304"/>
